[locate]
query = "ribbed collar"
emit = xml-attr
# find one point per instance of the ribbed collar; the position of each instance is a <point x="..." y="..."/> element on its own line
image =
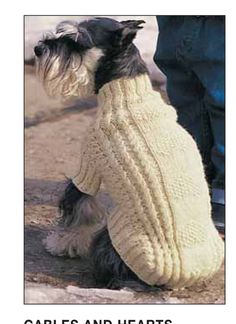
<point x="125" y="90"/>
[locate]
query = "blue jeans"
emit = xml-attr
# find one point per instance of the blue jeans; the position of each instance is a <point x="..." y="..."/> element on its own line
<point x="191" y="53"/>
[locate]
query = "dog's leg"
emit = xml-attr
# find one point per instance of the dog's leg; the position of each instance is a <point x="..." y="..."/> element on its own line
<point x="109" y="269"/>
<point x="81" y="217"/>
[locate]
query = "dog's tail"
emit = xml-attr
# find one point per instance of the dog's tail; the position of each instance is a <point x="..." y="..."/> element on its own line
<point x="81" y="216"/>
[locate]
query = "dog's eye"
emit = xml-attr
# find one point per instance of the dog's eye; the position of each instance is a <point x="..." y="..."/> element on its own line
<point x="38" y="50"/>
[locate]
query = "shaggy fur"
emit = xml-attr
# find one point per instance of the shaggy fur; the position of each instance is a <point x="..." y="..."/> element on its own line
<point x="81" y="216"/>
<point x="76" y="78"/>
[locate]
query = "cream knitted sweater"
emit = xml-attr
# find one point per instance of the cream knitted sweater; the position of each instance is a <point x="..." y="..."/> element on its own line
<point x="150" y="165"/>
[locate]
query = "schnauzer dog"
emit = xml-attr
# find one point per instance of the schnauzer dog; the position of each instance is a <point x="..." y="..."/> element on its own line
<point x="77" y="61"/>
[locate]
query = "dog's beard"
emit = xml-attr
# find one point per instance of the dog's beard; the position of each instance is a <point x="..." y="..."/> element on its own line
<point x="74" y="77"/>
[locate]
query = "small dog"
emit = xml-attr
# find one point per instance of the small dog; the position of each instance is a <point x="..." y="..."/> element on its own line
<point x="77" y="61"/>
<point x="122" y="151"/>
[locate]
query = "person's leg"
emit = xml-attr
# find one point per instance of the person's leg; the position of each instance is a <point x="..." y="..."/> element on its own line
<point x="210" y="69"/>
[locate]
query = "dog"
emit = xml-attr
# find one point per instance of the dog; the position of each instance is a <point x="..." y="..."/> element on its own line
<point x="76" y="61"/>
<point x="98" y="56"/>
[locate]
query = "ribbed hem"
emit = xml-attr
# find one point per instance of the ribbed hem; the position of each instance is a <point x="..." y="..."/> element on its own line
<point x="126" y="90"/>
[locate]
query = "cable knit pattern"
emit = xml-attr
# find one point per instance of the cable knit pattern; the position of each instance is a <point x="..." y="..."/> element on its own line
<point x="151" y="167"/>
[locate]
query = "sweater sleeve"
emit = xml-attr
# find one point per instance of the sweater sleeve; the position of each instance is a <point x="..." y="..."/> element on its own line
<point x="87" y="179"/>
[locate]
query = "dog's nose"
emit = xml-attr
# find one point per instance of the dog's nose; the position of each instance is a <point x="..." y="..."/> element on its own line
<point x="38" y="50"/>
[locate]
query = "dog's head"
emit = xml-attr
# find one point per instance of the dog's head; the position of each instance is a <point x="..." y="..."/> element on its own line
<point x="68" y="59"/>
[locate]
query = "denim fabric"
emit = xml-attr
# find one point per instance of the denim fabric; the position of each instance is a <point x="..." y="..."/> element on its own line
<point x="191" y="53"/>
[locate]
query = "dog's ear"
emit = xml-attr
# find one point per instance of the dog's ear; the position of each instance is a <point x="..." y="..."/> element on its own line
<point x="127" y="32"/>
<point x="71" y="30"/>
<point x="67" y="27"/>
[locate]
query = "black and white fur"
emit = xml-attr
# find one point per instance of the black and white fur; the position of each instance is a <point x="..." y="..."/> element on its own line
<point x="77" y="61"/>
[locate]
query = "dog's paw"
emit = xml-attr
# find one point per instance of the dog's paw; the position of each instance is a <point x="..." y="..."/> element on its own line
<point x="53" y="244"/>
<point x="66" y="243"/>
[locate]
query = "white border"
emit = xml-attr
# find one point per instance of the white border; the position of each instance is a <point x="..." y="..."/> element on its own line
<point x="13" y="310"/>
